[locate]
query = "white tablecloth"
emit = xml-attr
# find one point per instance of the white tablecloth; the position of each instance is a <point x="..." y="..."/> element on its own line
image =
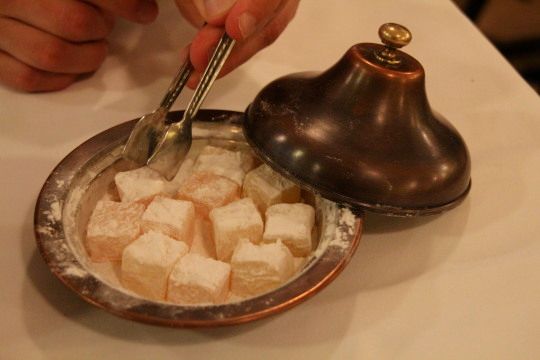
<point x="462" y="285"/>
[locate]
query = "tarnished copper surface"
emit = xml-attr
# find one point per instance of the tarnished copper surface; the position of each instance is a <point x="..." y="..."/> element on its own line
<point x="363" y="133"/>
<point x="67" y="198"/>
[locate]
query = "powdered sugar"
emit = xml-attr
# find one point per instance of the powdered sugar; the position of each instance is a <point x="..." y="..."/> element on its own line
<point x="169" y="211"/>
<point x="186" y="169"/>
<point x="221" y="162"/>
<point x="266" y="187"/>
<point x="345" y="229"/>
<point x="238" y="213"/>
<point x="208" y="191"/>
<point x="113" y="219"/>
<point x="196" y="269"/>
<point x="75" y="271"/>
<point x="139" y="184"/>
<point x="54" y="213"/>
<point x="196" y="279"/>
<point x="292" y="224"/>
<point x="155" y="248"/>
<point x="273" y="255"/>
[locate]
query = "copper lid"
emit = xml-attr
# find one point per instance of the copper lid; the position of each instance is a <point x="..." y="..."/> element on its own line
<point x="363" y="132"/>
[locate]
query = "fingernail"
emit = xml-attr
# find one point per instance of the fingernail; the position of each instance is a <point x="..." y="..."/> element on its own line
<point x="216" y="8"/>
<point x="247" y="24"/>
<point x="147" y="11"/>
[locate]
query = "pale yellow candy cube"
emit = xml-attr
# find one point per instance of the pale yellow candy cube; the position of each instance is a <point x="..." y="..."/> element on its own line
<point x="222" y="162"/>
<point x="256" y="269"/>
<point x="292" y="224"/>
<point x="111" y="193"/>
<point x="171" y="217"/>
<point x="249" y="161"/>
<point x="203" y="242"/>
<point x="208" y="191"/>
<point x="140" y="185"/>
<point x="299" y="263"/>
<point x="266" y="187"/>
<point x="232" y="222"/>
<point x="198" y="280"/>
<point x="147" y="263"/>
<point x="185" y="171"/>
<point x="112" y="226"/>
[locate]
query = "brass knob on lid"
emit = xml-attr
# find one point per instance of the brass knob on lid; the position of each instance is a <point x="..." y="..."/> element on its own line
<point x="394" y="36"/>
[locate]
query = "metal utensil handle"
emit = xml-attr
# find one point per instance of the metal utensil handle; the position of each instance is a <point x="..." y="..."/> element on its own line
<point x="177" y="85"/>
<point x="210" y="74"/>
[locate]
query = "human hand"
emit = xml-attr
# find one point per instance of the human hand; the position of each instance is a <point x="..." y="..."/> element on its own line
<point x="254" y="24"/>
<point x="46" y="45"/>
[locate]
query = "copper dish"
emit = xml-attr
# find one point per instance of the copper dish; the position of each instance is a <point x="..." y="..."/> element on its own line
<point x="71" y="191"/>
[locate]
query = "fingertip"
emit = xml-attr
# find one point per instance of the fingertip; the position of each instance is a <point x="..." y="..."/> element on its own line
<point x="233" y="30"/>
<point x="194" y="80"/>
<point x="240" y="24"/>
<point x="44" y="82"/>
<point x="247" y="24"/>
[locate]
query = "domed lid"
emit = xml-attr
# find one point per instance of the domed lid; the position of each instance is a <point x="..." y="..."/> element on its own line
<point x="362" y="132"/>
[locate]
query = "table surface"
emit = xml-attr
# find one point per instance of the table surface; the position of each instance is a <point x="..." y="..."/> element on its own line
<point x="462" y="285"/>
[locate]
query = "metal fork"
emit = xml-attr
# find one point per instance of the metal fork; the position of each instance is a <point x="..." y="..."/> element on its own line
<point x="176" y="141"/>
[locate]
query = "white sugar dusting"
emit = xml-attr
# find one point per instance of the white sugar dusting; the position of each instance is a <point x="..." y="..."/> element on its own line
<point x="75" y="198"/>
<point x="348" y="219"/>
<point x="56" y="210"/>
<point x="345" y="229"/>
<point x="45" y="230"/>
<point x="75" y="271"/>
<point x="327" y="211"/>
<point x="54" y="213"/>
<point x="119" y="299"/>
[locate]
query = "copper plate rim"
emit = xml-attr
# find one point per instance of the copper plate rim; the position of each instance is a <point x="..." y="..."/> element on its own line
<point x="58" y="255"/>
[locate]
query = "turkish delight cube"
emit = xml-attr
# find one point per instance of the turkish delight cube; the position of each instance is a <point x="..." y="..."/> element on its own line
<point x="203" y="243"/>
<point x="292" y="224"/>
<point x="111" y="193"/>
<point x="232" y="222"/>
<point x="147" y="263"/>
<point x="266" y="187"/>
<point x="171" y="217"/>
<point x="249" y="161"/>
<point x="139" y="185"/>
<point x="208" y="191"/>
<point x="198" y="280"/>
<point x="112" y="226"/>
<point x="185" y="171"/>
<point x="222" y="162"/>
<point x="256" y="269"/>
<point x="299" y="263"/>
